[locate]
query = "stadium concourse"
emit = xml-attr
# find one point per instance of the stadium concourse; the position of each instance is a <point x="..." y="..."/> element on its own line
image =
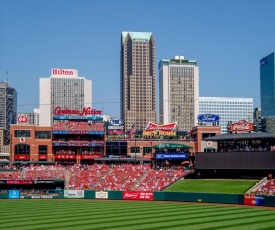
<point x="116" y="177"/>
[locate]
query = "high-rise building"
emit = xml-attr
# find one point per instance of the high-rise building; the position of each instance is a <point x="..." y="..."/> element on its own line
<point x="229" y="109"/>
<point x="179" y="92"/>
<point x="63" y="91"/>
<point x="138" y="79"/>
<point x="267" y="83"/>
<point x="8" y="109"/>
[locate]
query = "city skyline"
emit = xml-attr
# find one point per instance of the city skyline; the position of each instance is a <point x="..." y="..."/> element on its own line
<point x="228" y="39"/>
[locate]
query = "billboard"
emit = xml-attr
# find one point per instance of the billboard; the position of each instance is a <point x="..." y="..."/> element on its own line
<point x="242" y="126"/>
<point x="167" y="156"/>
<point x="73" y="193"/>
<point x="14" y="194"/>
<point x="253" y="200"/>
<point x="115" y="127"/>
<point x="132" y="195"/>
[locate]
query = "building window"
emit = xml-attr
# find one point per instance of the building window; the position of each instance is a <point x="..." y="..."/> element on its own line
<point x="22" y="149"/>
<point x="22" y="133"/>
<point x="42" y="135"/>
<point x="42" y="149"/>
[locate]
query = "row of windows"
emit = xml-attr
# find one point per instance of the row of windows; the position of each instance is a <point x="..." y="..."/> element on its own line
<point x="25" y="149"/>
<point x="38" y="134"/>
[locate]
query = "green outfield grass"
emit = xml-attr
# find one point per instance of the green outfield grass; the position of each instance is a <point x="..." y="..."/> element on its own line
<point x="121" y="215"/>
<point x="212" y="186"/>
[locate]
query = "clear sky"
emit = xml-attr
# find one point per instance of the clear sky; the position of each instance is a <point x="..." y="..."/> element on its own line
<point x="227" y="38"/>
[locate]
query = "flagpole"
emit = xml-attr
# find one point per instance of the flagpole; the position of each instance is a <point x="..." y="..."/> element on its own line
<point x="135" y="150"/>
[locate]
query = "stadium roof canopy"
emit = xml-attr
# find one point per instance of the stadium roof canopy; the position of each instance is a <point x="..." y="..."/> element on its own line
<point x="240" y="136"/>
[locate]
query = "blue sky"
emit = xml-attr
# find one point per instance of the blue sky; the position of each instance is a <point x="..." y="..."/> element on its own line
<point x="227" y="38"/>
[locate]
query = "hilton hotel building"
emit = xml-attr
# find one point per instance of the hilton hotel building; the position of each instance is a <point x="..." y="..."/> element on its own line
<point x="64" y="89"/>
<point x="138" y="80"/>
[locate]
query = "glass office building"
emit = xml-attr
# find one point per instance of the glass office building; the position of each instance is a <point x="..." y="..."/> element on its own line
<point x="229" y="109"/>
<point x="267" y="84"/>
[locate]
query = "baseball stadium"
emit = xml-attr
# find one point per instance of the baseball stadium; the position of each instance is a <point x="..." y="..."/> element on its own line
<point x="80" y="179"/>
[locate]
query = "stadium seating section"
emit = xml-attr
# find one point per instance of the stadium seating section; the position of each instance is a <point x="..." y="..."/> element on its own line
<point x="102" y="177"/>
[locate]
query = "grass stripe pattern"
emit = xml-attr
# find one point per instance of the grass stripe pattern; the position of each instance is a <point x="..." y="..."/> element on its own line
<point x="129" y="215"/>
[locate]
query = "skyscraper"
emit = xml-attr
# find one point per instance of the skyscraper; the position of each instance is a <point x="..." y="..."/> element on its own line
<point x="179" y="92"/>
<point x="138" y="80"/>
<point x="64" y="90"/>
<point x="8" y="109"/>
<point x="267" y="83"/>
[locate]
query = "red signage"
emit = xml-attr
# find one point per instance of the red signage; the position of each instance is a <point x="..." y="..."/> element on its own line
<point x="85" y="111"/>
<point x="19" y="182"/>
<point x="62" y="72"/>
<point x="115" y="131"/>
<point x="164" y="128"/>
<point x="90" y="156"/>
<point x="21" y="157"/>
<point x="250" y="199"/>
<point x="65" y="157"/>
<point x="22" y="118"/>
<point x="132" y="195"/>
<point x="242" y="126"/>
<point x="42" y="156"/>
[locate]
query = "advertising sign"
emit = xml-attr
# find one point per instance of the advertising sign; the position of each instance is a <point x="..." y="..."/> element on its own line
<point x="208" y="118"/>
<point x="132" y="195"/>
<point x="73" y="193"/>
<point x="58" y="111"/>
<point x="65" y="157"/>
<point x="14" y="194"/>
<point x="241" y="126"/>
<point x="101" y="195"/>
<point x="22" y="118"/>
<point x="164" y="128"/>
<point x="90" y="156"/>
<point x="164" y="156"/>
<point x="253" y="200"/>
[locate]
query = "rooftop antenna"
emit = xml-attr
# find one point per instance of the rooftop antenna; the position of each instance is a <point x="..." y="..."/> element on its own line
<point x="7" y="76"/>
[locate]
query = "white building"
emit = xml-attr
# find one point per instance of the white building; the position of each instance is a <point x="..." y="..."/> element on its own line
<point x="65" y="90"/>
<point x="229" y="109"/>
<point x="179" y="92"/>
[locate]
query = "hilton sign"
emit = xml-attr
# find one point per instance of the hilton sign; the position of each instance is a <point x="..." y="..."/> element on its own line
<point x="64" y="72"/>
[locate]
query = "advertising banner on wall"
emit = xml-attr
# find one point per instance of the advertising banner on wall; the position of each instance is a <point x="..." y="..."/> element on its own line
<point x="101" y="195"/>
<point x="253" y="200"/>
<point x="132" y="195"/>
<point x="14" y="194"/>
<point x="73" y="194"/>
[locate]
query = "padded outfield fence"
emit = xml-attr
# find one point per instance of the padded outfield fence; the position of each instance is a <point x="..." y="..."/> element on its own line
<point x="241" y="199"/>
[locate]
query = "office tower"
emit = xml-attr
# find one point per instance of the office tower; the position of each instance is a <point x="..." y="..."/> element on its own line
<point x="137" y="83"/>
<point x="267" y="83"/>
<point x="8" y="109"/>
<point x="229" y="109"/>
<point x="179" y="92"/>
<point x="63" y="91"/>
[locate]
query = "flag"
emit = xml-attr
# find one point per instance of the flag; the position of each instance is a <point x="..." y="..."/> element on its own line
<point x="132" y="131"/>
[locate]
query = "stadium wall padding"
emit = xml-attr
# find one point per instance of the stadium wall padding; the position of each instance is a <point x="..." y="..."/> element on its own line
<point x="115" y="195"/>
<point x="200" y="197"/>
<point x="89" y="194"/>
